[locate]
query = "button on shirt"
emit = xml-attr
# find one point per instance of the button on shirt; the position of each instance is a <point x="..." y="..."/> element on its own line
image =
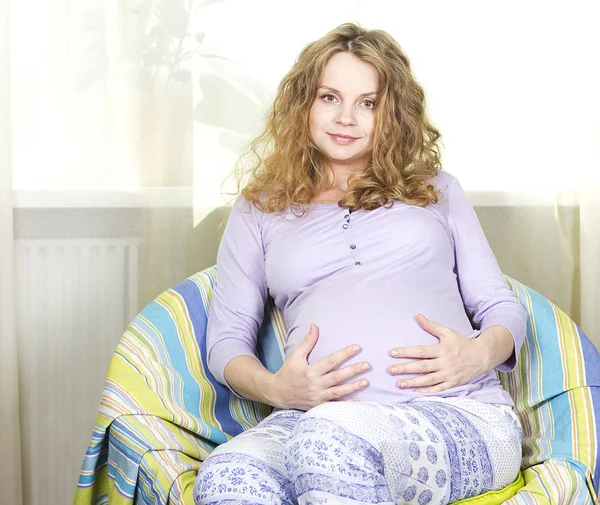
<point x="362" y="278"/>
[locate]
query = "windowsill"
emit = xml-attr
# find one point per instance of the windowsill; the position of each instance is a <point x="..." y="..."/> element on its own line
<point x="170" y="197"/>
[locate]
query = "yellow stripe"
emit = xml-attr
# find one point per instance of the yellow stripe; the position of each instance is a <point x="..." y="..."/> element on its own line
<point x="278" y="325"/>
<point x="574" y="352"/>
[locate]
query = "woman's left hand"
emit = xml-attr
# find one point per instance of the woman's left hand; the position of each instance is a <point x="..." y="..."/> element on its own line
<point x="453" y="362"/>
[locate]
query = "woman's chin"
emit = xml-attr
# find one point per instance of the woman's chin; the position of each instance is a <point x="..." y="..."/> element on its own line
<point x="338" y="156"/>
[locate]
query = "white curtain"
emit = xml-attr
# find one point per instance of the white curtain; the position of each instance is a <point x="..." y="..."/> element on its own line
<point x="10" y="439"/>
<point x="127" y="115"/>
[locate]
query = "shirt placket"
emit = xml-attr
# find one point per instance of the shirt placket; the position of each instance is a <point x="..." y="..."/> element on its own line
<point x="346" y="225"/>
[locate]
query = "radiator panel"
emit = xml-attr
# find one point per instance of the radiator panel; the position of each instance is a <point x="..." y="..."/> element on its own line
<point x="74" y="299"/>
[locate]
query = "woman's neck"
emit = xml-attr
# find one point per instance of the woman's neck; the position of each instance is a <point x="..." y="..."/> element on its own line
<point x="336" y="185"/>
<point x="338" y="180"/>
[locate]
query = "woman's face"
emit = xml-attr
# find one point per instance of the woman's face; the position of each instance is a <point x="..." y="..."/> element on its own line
<point x="341" y="119"/>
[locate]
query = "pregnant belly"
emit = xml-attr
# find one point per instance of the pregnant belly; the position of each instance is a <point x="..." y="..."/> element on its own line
<point x="377" y="321"/>
<point x="376" y="338"/>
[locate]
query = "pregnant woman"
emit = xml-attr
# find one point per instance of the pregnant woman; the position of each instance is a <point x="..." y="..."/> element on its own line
<point x="396" y="309"/>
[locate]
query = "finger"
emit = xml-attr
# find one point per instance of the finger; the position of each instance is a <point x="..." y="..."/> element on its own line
<point x="308" y="342"/>
<point x="427" y="380"/>
<point x="433" y="327"/>
<point x="417" y="351"/>
<point x="418" y="366"/>
<point x="333" y="378"/>
<point x="338" y="392"/>
<point x="335" y="359"/>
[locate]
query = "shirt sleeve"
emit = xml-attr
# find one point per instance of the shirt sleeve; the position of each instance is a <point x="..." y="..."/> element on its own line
<point x="487" y="298"/>
<point x="239" y="294"/>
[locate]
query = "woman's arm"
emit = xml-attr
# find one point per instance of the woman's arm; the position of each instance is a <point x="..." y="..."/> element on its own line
<point x="239" y="294"/>
<point x="250" y="379"/>
<point x="489" y="302"/>
<point x="234" y="319"/>
<point x="487" y="298"/>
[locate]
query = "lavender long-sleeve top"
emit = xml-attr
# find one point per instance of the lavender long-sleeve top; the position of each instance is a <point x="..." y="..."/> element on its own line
<point x="362" y="277"/>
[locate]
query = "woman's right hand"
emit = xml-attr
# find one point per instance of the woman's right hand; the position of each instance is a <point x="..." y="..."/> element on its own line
<point x="298" y="385"/>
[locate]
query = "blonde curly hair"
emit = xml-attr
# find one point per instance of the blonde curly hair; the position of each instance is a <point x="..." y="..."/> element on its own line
<point x="289" y="171"/>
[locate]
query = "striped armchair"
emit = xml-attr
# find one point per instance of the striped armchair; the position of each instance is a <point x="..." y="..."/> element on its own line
<point x="162" y="412"/>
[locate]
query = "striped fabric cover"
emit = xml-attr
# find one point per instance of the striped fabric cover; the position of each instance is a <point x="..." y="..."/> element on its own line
<point x="166" y="412"/>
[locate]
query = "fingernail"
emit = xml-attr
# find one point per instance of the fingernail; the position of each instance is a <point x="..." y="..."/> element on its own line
<point x="355" y="348"/>
<point x="365" y="366"/>
<point x="362" y="383"/>
<point x="394" y="353"/>
<point x="393" y="370"/>
<point x="403" y="384"/>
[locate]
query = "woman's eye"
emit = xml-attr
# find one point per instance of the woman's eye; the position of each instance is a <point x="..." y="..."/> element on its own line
<point x="328" y="98"/>
<point x="369" y="104"/>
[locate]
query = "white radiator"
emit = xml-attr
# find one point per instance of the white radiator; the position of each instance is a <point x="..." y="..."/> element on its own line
<point x="74" y="299"/>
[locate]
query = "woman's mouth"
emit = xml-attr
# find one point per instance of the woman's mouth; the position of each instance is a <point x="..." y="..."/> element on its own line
<point x="342" y="139"/>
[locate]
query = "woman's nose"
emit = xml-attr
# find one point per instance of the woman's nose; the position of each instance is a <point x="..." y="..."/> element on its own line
<point x="345" y="116"/>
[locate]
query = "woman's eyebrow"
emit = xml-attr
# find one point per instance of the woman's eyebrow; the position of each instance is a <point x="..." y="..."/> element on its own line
<point x="339" y="93"/>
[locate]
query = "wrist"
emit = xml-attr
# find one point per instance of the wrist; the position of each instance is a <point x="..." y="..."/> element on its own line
<point x="497" y="345"/>
<point x="484" y="354"/>
<point x="267" y="383"/>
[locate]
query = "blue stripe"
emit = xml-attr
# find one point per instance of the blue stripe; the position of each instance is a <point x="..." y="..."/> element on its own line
<point x="592" y="360"/>
<point x="190" y="292"/>
<point x="146" y="485"/>
<point x="548" y="347"/>
<point x="596" y="406"/>
<point x="269" y="352"/>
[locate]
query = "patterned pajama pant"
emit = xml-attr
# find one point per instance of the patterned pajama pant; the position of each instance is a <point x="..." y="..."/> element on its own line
<point x="428" y="451"/>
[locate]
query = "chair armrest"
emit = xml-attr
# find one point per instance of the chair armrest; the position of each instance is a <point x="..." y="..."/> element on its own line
<point x="148" y="455"/>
